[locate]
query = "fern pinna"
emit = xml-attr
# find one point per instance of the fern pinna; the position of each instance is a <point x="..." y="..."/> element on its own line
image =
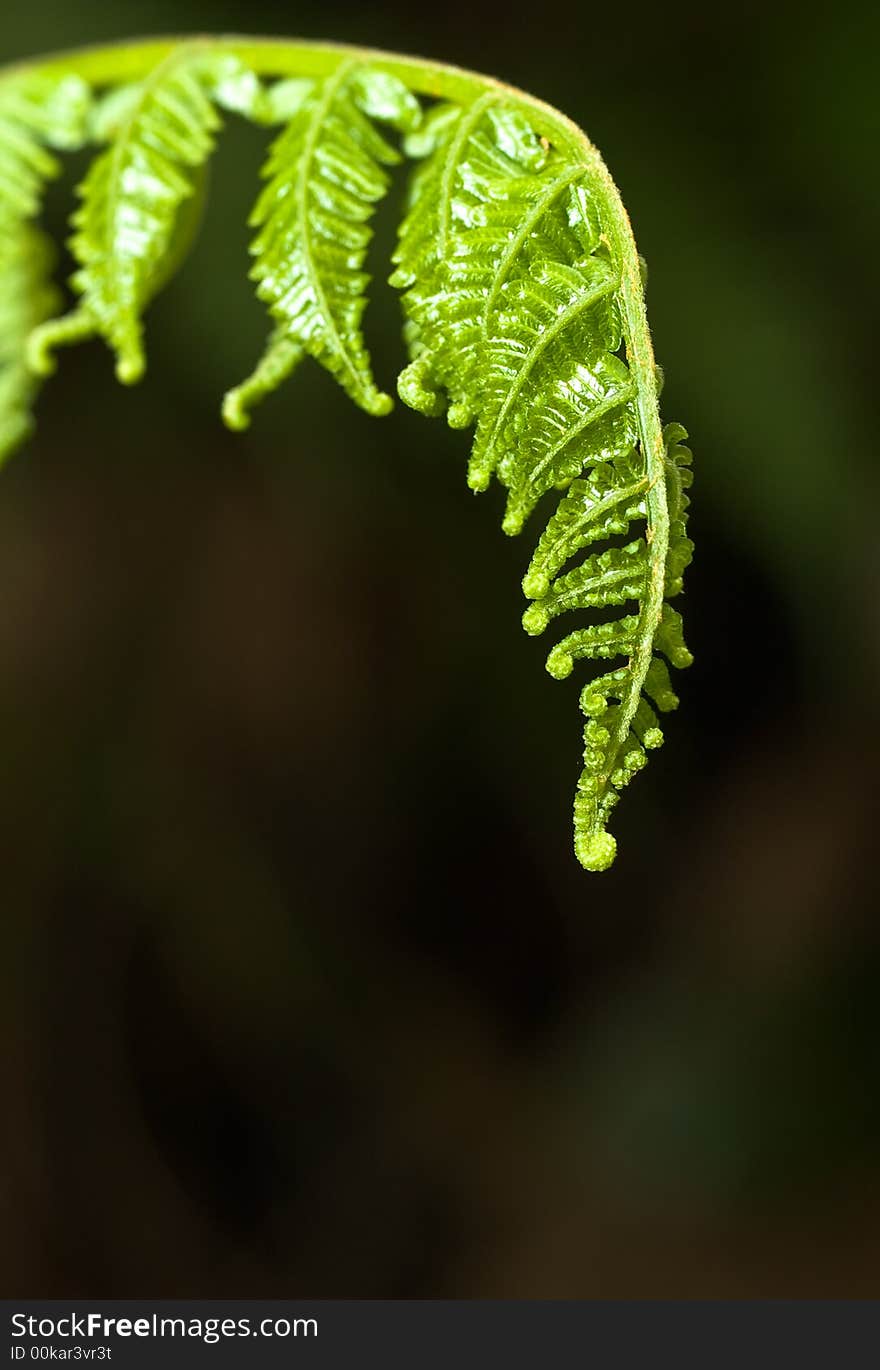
<point x="521" y="288"/>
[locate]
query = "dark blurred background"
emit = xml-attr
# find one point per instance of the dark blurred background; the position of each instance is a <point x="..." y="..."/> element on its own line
<point x="302" y="991"/>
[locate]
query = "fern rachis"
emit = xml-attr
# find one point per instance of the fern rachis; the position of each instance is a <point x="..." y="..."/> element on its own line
<point x="522" y="295"/>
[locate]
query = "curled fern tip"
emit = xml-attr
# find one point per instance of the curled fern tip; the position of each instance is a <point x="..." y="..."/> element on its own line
<point x="595" y="851"/>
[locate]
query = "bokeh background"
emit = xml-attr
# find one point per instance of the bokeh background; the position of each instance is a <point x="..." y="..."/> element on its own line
<point x="301" y="990"/>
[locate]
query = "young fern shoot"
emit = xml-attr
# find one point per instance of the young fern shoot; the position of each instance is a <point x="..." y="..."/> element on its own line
<point x="521" y="288"/>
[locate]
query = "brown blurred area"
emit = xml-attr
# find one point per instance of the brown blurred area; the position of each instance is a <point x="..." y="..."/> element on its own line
<point x="302" y="992"/>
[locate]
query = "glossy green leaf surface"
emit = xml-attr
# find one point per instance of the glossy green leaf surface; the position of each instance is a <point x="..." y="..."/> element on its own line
<point x="132" y="196"/>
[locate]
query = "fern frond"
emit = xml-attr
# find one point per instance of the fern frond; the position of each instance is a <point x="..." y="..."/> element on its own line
<point x="27" y="297"/>
<point x="162" y="133"/>
<point x="464" y="206"/>
<point x="324" y="178"/>
<point x="619" y="705"/>
<point x="515" y="296"/>
<point x="622" y="724"/>
<point x="36" y="113"/>
<point x="522" y="292"/>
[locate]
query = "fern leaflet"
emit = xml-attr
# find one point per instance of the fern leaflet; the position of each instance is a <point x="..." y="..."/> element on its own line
<point x="325" y="175"/>
<point x="27" y="297"/>
<point x="36" y="113"/>
<point x="132" y="195"/>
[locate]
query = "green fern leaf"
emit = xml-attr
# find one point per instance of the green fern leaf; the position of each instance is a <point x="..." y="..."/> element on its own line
<point x="27" y="297"/>
<point x="463" y="210"/>
<point x="325" y="175"/>
<point x="514" y="295"/>
<point x="622" y="724"/>
<point x="523" y="301"/>
<point x="162" y="133"/>
<point x="36" y="113"/>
